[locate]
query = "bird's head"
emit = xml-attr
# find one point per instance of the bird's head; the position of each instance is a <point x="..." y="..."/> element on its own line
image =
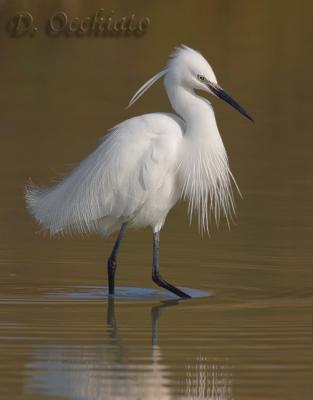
<point x="187" y="68"/>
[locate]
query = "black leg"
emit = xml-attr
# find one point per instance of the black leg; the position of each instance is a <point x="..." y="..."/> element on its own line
<point x="156" y="277"/>
<point x="112" y="259"/>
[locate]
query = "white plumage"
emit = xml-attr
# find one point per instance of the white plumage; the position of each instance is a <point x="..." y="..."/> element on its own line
<point x="144" y="165"/>
<point x="130" y="176"/>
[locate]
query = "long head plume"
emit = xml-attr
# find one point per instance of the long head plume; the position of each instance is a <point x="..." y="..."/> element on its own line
<point x="178" y="51"/>
<point x="146" y="86"/>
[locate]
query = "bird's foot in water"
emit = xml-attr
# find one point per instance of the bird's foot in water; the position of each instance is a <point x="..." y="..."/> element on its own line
<point x="164" y="284"/>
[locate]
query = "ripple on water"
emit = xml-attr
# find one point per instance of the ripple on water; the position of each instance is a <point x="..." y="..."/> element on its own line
<point x="123" y="293"/>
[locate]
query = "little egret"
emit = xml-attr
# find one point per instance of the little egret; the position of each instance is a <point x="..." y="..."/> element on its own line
<point x="145" y="164"/>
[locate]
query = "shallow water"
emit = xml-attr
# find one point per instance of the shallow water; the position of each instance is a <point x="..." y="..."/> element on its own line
<point x="249" y="333"/>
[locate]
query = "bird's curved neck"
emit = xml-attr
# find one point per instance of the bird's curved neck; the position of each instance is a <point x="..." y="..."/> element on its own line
<point x="196" y="111"/>
<point x="203" y="164"/>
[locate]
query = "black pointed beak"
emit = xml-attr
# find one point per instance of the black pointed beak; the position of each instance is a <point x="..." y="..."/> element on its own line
<point x="219" y="92"/>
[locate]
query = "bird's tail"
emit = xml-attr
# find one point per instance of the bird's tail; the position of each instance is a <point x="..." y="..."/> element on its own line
<point x="39" y="202"/>
<point x="43" y="206"/>
<point x="79" y="202"/>
<point x="85" y="199"/>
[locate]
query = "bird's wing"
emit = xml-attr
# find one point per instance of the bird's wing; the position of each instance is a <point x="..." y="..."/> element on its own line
<point x="114" y="180"/>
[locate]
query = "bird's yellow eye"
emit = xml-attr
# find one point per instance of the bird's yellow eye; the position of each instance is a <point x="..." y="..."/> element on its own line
<point x="201" y="78"/>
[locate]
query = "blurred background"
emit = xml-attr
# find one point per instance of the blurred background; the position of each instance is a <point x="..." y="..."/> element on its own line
<point x="253" y="338"/>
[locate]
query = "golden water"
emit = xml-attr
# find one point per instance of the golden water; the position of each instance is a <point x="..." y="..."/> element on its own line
<point x="252" y="337"/>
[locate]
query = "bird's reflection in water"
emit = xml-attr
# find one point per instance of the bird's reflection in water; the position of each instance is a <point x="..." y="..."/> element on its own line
<point x="208" y="380"/>
<point x="102" y="371"/>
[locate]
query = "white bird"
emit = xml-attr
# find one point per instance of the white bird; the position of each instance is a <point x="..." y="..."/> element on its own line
<point x="145" y="164"/>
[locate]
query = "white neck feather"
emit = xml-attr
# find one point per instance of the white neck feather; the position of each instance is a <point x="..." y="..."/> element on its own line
<point x="204" y="169"/>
